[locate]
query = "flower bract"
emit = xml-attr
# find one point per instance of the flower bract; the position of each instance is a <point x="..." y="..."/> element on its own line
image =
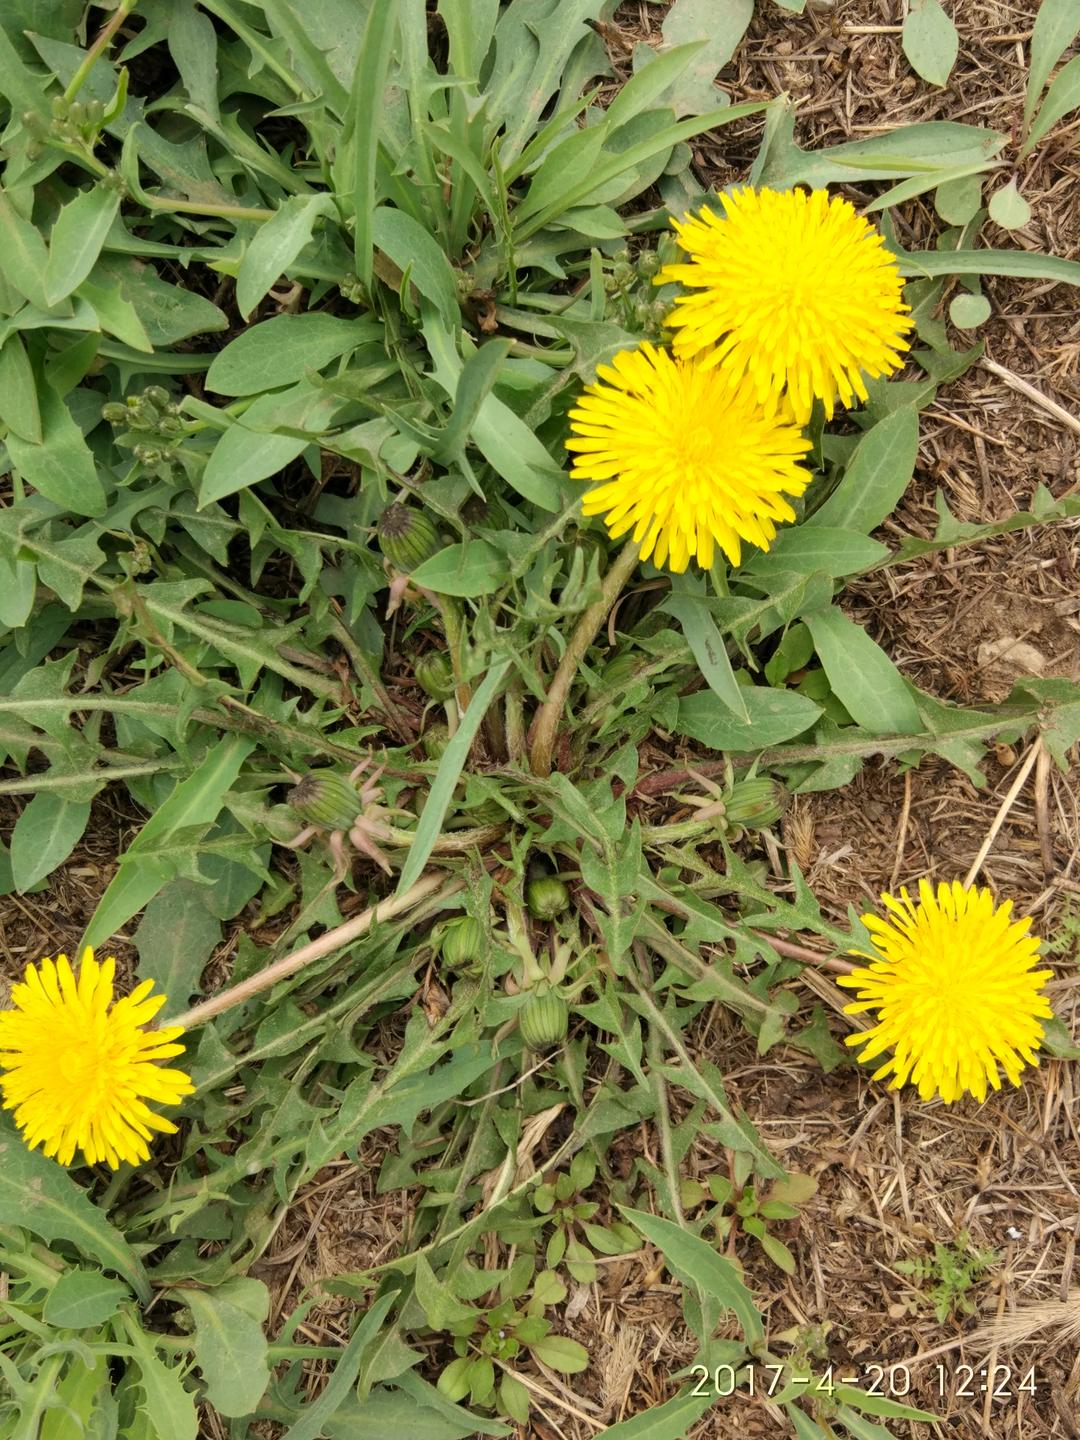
<point x="956" y="997"/>
<point x="793" y="291"/>
<point x="79" y="1069"/>
<point x="684" y="460"/>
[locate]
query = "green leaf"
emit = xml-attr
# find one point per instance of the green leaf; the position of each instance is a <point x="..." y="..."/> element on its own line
<point x="176" y="938"/>
<point x="77" y="239"/>
<point x="876" y="476"/>
<point x="19" y="409"/>
<point x="1063" y="96"/>
<point x="689" y="605"/>
<point x="1008" y="208"/>
<point x="387" y="1413"/>
<point x="862" y="676"/>
<point x="61" y="467"/>
<point x="699" y="1266"/>
<point x="45" y="834"/>
<point x="364" y="126"/>
<point x="474" y="385"/>
<point x="968" y="312"/>
<point x="469" y="569"/>
<point x="276" y="245"/>
<point x="195" y="801"/>
<point x="1056" y="26"/>
<point x="411" y="248"/>
<point x="672" y="1420"/>
<point x="314" y="1416"/>
<point x="930" y="41"/>
<point x="723" y="26"/>
<point x="1023" y="264"/>
<point x="561" y="1354"/>
<point x="818" y="550"/>
<point x="280" y="351"/>
<point x="230" y="1347"/>
<point x="170" y="1406"/>
<point x="447" y="775"/>
<point x="440" y="1305"/>
<point x="23" y="256"/>
<point x="775" y="716"/>
<point x="82" y="1298"/>
<point x="39" y="1195"/>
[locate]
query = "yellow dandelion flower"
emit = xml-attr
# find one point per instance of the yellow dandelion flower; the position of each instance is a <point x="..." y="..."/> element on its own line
<point x="687" y="461"/>
<point x="952" y="983"/>
<point x="79" y="1069"/>
<point x="795" y="291"/>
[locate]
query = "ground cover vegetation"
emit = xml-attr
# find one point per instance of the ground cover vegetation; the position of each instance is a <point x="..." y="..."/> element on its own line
<point x="363" y="373"/>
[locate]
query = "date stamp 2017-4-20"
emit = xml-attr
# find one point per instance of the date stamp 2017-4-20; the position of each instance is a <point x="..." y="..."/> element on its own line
<point x="893" y="1382"/>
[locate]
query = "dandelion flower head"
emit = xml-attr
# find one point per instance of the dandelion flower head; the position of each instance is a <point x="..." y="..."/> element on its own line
<point x="793" y="290"/>
<point x="956" y="997"/>
<point x="79" y="1069"/>
<point x="683" y="459"/>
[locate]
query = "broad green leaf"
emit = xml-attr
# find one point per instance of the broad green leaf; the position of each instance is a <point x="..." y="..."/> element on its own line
<point x="44" y="836"/>
<point x="23" y="256"/>
<point x="19" y="409"/>
<point x="365" y="123"/>
<point x="561" y="1353"/>
<point x="968" y="312"/>
<point x="876" y="476"/>
<point x="775" y="716"/>
<point x="469" y="569"/>
<point x="673" y="1420"/>
<point x="723" y="23"/>
<point x="386" y="1413"/>
<point x="440" y="1305"/>
<point x="1023" y="264"/>
<point x="1063" y="96"/>
<point x="82" y="1298"/>
<point x="1008" y="208"/>
<point x="1056" y="26"/>
<point x="193" y="46"/>
<point x="874" y="1405"/>
<point x="474" y="385"/>
<point x="413" y="249"/>
<point x="175" y="939"/>
<point x="930" y="41"/>
<point x="196" y="800"/>
<point x="689" y="605"/>
<point x="818" y="549"/>
<point x="930" y="148"/>
<point x="77" y="239"/>
<point x="698" y="1265"/>
<point x="168" y="1402"/>
<point x="276" y="245"/>
<point x="61" y="467"/>
<point x="280" y="351"/>
<point x="82" y="1399"/>
<point x="39" y="1195"/>
<point x="862" y="676"/>
<point x="230" y="1348"/>
<point x="659" y="75"/>
<point x="313" y="1417"/>
<point x="117" y="315"/>
<point x="447" y="775"/>
<point x="243" y="457"/>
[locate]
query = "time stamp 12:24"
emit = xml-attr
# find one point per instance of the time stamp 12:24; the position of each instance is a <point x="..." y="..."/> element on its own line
<point x="893" y="1382"/>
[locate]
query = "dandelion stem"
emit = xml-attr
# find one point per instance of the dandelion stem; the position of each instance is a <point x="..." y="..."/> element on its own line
<point x="91" y="57"/>
<point x="550" y="713"/>
<point x="335" y="939"/>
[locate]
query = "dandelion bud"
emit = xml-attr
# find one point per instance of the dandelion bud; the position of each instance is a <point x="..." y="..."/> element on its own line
<point x="544" y="1020"/>
<point x="546" y="897"/>
<point x="435" y="675"/>
<point x="461" y="942"/>
<point x="755" y="804"/>
<point x="327" y="799"/>
<point x="406" y="537"/>
<point x="435" y="740"/>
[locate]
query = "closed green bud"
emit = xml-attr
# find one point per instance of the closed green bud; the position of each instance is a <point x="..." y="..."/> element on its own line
<point x="648" y="264"/>
<point x="755" y="804"/>
<point x="326" y="799"/>
<point x="59" y="106"/>
<point x="115" y="413"/>
<point x="157" y="395"/>
<point x="95" y="112"/>
<point x="435" y="675"/>
<point x="544" y="1020"/>
<point x="77" y="113"/>
<point x="462" y="942"/>
<point x="435" y="740"/>
<point x="406" y="537"/>
<point x="546" y="897"/>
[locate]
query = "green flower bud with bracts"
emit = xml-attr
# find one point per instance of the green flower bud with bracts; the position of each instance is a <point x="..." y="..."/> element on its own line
<point x="407" y="537"/>
<point x="462" y="942"/>
<point x="326" y="799"/>
<point x="435" y="740"/>
<point x="544" y="1019"/>
<point x="435" y="675"/>
<point x="546" y="897"/>
<point x="754" y="804"/>
<point x="115" y="413"/>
